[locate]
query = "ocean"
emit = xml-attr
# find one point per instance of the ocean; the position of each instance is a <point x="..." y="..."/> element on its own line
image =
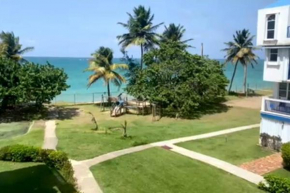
<point x="78" y="79"/>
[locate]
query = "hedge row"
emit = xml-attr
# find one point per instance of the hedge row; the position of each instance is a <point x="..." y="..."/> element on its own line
<point x="54" y="159"/>
<point x="276" y="184"/>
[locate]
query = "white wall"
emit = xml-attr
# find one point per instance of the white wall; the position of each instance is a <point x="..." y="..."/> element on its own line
<point x="276" y="90"/>
<point x="277" y="71"/>
<point x="282" y="22"/>
<point x="276" y="128"/>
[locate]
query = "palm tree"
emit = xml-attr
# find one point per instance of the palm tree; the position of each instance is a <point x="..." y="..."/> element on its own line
<point x="174" y="33"/>
<point x="103" y="68"/>
<point x="241" y="51"/>
<point x="141" y="31"/>
<point x="11" y="48"/>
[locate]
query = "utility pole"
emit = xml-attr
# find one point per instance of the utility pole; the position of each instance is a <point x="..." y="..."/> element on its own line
<point x="201" y="49"/>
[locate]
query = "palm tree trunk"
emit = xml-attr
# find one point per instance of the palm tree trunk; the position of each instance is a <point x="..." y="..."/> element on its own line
<point x="142" y="56"/>
<point x="109" y="93"/>
<point x="232" y="80"/>
<point x="245" y="77"/>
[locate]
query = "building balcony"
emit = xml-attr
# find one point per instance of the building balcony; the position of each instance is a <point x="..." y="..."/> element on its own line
<point x="276" y="109"/>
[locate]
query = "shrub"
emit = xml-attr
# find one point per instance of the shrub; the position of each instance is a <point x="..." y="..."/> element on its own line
<point x="56" y="160"/>
<point x="286" y="155"/>
<point x="275" y="184"/>
<point x="20" y="153"/>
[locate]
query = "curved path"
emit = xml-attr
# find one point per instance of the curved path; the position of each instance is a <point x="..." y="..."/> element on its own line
<point x="88" y="184"/>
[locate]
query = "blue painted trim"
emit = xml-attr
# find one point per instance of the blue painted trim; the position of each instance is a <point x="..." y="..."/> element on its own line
<point x="279" y="3"/>
<point x="275" y="117"/>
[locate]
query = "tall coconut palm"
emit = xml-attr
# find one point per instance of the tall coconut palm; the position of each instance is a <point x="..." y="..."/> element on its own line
<point x="141" y="31"/>
<point x="11" y="48"/>
<point x="241" y="51"/>
<point x="175" y="33"/>
<point x="103" y="68"/>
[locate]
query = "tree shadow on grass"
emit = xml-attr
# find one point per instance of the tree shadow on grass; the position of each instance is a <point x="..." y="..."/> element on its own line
<point x="23" y="113"/>
<point x="63" y="113"/>
<point x="35" y="179"/>
<point x="29" y="113"/>
<point x="198" y="113"/>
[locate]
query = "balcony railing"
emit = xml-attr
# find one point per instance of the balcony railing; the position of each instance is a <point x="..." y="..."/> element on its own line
<point x="276" y="106"/>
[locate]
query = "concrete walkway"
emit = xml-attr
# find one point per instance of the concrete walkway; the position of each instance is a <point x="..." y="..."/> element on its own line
<point x="88" y="184"/>
<point x="119" y="153"/>
<point x="50" y="139"/>
<point x="85" y="178"/>
<point x="232" y="169"/>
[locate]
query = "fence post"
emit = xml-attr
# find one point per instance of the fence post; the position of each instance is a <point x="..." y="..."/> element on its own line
<point x="247" y="89"/>
<point x="74" y="98"/>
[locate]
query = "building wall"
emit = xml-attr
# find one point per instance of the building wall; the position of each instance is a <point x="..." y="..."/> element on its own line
<point x="282" y="22"/>
<point x="277" y="71"/>
<point x="276" y="128"/>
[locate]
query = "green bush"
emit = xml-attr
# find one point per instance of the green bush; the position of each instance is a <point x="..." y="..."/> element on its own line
<point x="275" y="184"/>
<point x="56" y="160"/>
<point x="286" y="155"/>
<point x="20" y="153"/>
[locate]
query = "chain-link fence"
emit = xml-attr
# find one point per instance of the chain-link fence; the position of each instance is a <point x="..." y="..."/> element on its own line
<point x="83" y="98"/>
<point x="97" y="97"/>
<point x="252" y="86"/>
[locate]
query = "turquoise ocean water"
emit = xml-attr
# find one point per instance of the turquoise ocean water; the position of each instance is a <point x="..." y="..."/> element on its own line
<point x="78" y="91"/>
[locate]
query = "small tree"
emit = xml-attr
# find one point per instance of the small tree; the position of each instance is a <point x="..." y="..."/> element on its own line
<point x="29" y="83"/>
<point x="179" y="81"/>
<point x="10" y="89"/>
<point x="41" y="83"/>
<point x="94" y="120"/>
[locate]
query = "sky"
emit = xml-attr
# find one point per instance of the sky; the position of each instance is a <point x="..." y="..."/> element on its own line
<point x="76" y="28"/>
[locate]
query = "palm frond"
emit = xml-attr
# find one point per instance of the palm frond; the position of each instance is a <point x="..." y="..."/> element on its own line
<point x="27" y="49"/>
<point x="93" y="78"/>
<point x="119" y="66"/>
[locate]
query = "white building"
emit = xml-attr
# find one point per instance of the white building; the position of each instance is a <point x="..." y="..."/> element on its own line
<point x="274" y="35"/>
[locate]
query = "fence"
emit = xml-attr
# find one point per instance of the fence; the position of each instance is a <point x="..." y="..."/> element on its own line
<point x="252" y="86"/>
<point x="82" y="98"/>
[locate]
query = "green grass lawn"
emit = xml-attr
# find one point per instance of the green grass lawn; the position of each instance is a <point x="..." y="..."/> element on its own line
<point x="34" y="138"/>
<point x="236" y="148"/>
<point x="77" y="138"/>
<point x="8" y="130"/>
<point x="28" y="178"/>
<point x="281" y="173"/>
<point x="162" y="171"/>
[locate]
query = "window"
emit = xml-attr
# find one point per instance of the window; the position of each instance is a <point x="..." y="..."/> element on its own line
<point x="284" y="91"/>
<point x="273" y="55"/>
<point x="271" y="27"/>
<point x="288" y="32"/>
